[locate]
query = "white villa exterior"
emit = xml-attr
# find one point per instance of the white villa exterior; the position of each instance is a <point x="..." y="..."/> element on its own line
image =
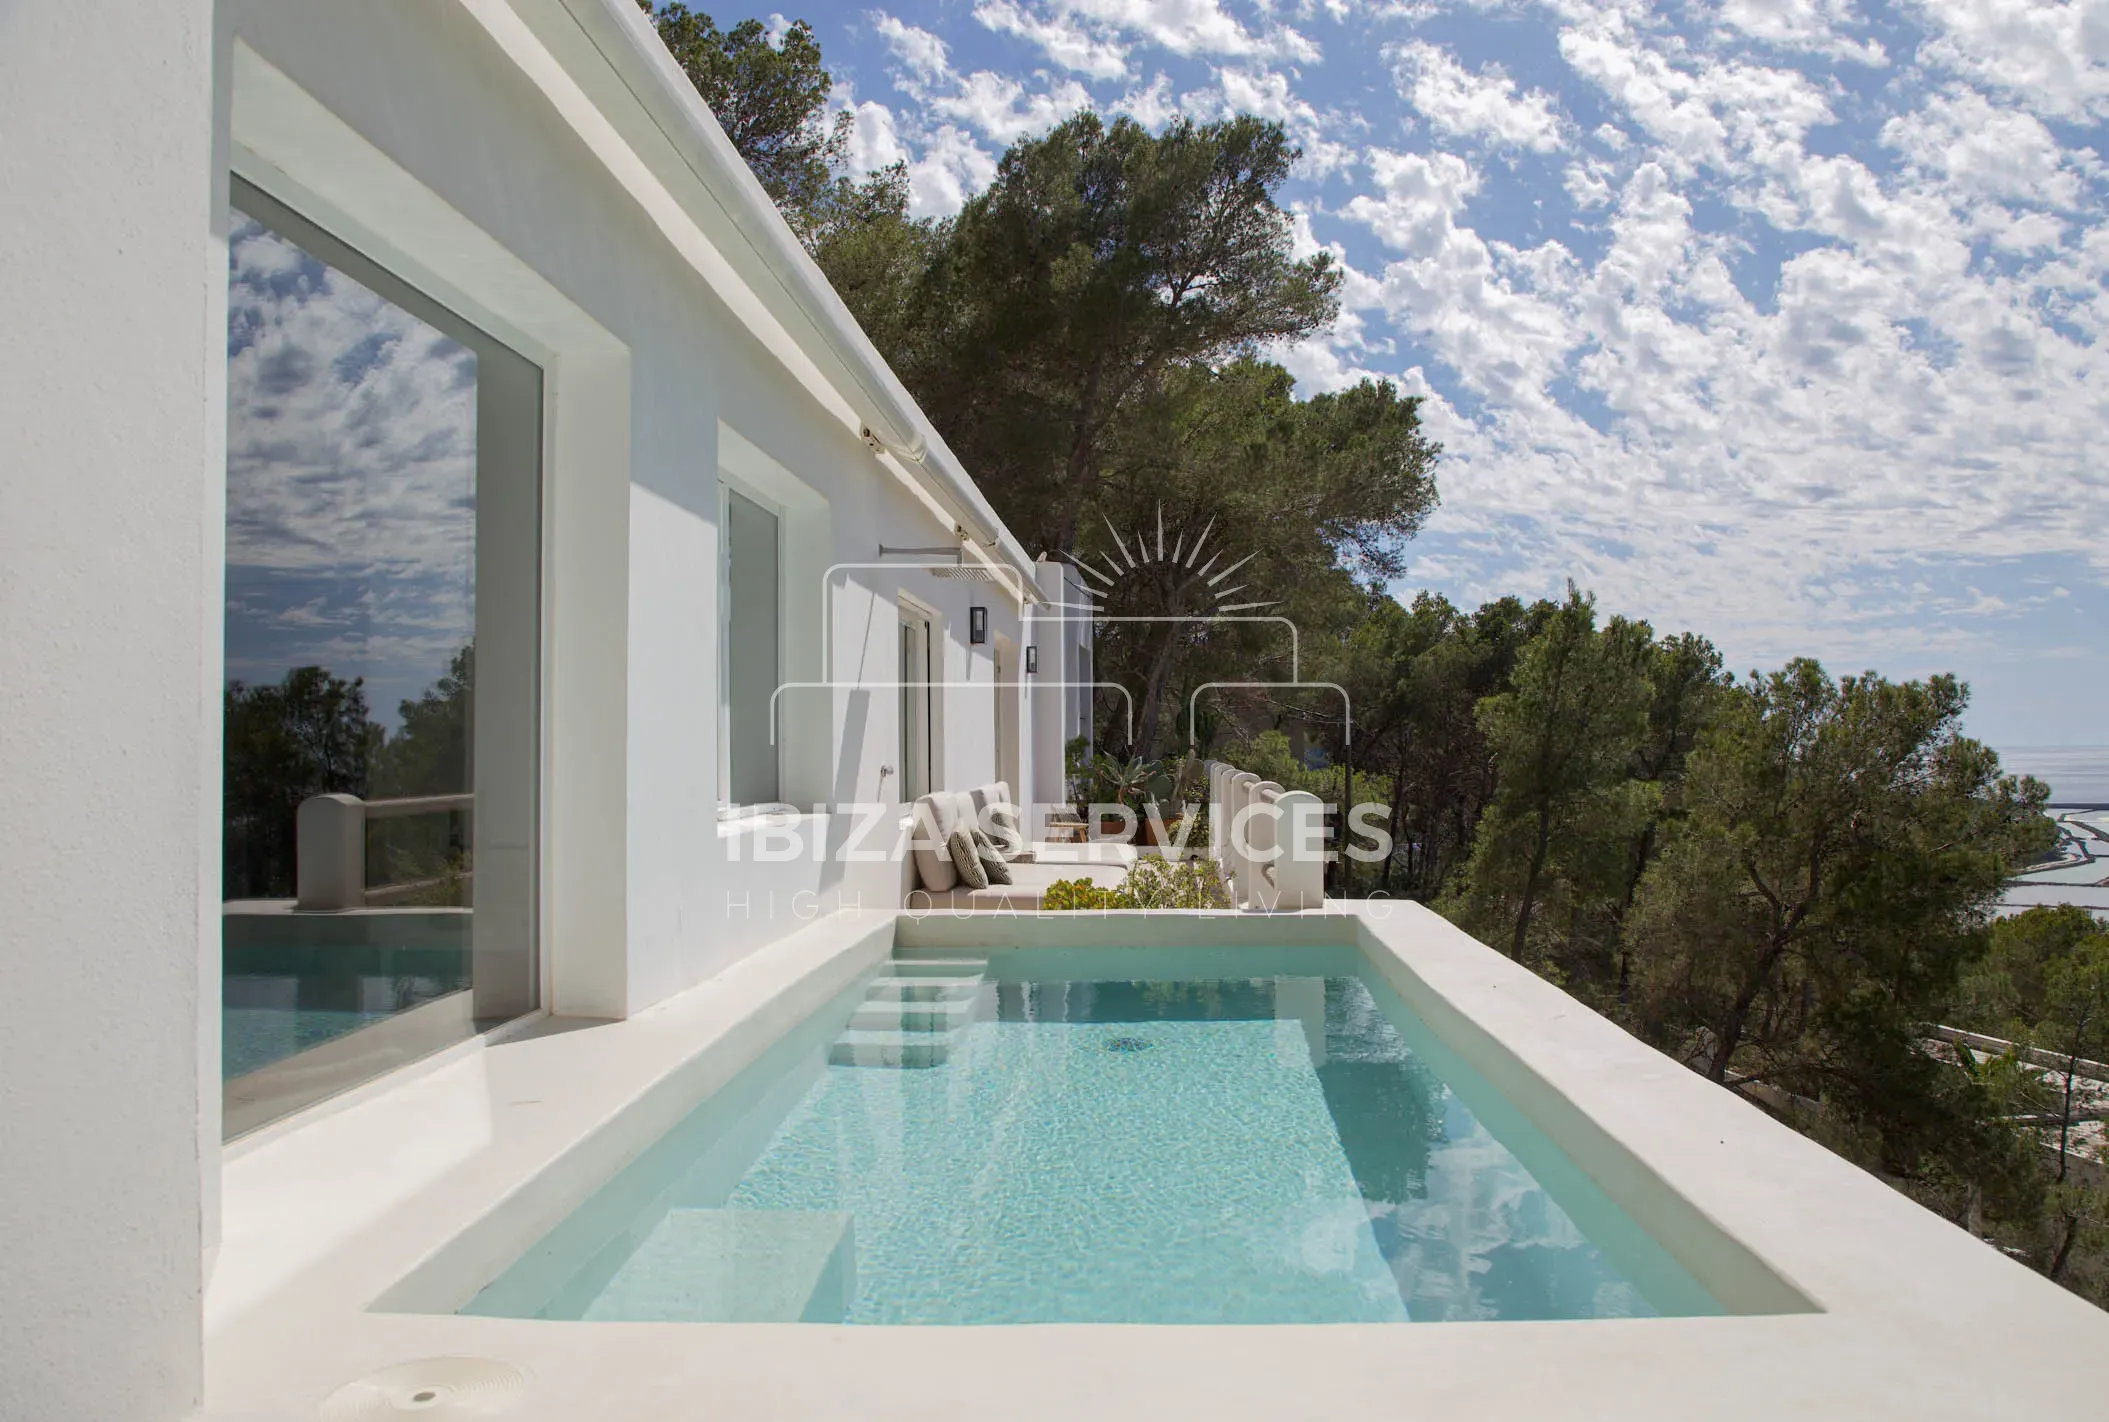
<point x="687" y="480"/>
<point x="541" y="172"/>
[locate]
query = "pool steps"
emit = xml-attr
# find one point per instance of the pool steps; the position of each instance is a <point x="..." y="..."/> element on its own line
<point x="912" y="1016"/>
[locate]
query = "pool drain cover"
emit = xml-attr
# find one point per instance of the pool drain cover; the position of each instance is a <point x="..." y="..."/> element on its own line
<point x="1128" y="1044"/>
<point x="429" y="1389"/>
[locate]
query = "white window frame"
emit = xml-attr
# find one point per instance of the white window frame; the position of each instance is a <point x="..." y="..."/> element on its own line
<point x="914" y="612"/>
<point x="729" y="484"/>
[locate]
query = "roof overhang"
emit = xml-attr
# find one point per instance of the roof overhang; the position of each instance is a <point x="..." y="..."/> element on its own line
<point x="603" y="67"/>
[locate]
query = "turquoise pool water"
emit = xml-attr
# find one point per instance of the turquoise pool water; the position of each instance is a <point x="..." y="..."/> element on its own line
<point x="294" y="981"/>
<point x="1283" y="1144"/>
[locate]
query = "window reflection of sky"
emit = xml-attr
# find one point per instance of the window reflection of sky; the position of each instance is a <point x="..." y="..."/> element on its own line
<point x="351" y="478"/>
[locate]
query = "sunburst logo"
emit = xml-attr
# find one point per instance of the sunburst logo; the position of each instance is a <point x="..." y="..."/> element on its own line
<point x="1147" y="554"/>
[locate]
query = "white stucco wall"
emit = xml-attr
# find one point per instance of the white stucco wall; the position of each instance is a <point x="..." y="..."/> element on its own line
<point x="108" y="544"/>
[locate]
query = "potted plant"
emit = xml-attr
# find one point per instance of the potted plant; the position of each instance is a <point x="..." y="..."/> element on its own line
<point x="1120" y="782"/>
<point x="1168" y="793"/>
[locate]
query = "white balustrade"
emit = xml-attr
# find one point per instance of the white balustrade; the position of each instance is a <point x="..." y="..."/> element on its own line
<point x="1270" y="842"/>
<point x="329" y="846"/>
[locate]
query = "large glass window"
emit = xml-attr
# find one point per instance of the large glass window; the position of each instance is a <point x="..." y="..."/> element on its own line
<point x="382" y="636"/>
<point x="752" y="642"/>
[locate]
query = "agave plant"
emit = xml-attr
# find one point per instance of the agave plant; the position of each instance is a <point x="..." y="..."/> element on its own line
<point x="1123" y="782"/>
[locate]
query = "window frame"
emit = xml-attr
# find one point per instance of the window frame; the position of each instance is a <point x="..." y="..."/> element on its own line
<point x="729" y="808"/>
<point x="289" y="1085"/>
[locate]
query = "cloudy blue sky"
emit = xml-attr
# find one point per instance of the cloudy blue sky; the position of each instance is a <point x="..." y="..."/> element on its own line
<point x="1780" y="320"/>
<point x="351" y="479"/>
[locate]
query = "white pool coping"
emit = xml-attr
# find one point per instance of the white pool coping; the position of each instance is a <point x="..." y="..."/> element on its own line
<point x="441" y="1178"/>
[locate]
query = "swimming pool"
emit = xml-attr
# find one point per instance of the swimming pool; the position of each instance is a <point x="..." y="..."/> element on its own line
<point x="1129" y="1135"/>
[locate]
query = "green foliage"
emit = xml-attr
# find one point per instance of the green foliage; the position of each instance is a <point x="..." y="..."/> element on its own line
<point x="1115" y="781"/>
<point x="2044" y="985"/>
<point x="1064" y="895"/>
<point x="1291" y="499"/>
<point x="1153" y="882"/>
<point x="1830" y="881"/>
<point x="771" y="99"/>
<point x="2007" y="994"/>
<point x="429" y="755"/>
<point x="1549" y="860"/>
<point x="1158" y="883"/>
<point x="308" y="735"/>
<point x="1082" y="335"/>
<point x="1101" y="257"/>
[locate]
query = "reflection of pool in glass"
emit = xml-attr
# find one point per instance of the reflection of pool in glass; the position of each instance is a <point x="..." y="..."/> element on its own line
<point x="1256" y="1149"/>
<point x="293" y="982"/>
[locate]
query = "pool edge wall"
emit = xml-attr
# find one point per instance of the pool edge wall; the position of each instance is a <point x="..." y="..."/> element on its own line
<point x="1420" y="956"/>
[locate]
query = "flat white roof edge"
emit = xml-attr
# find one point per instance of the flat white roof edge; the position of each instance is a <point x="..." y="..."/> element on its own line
<point x="619" y="30"/>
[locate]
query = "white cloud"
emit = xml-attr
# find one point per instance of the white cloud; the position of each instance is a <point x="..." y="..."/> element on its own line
<point x="1003" y="109"/>
<point x="924" y="54"/>
<point x="1152" y="107"/>
<point x="1588" y="182"/>
<point x="951" y="168"/>
<point x="2051" y="57"/>
<point x="1484" y="105"/>
<point x="1808" y="26"/>
<point x="1061" y="37"/>
<point x="1963" y="140"/>
<point x="874" y="142"/>
<point x="351" y="477"/>
<point x="1503" y="343"/>
<point x="1269" y="94"/>
<point x="1095" y="29"/>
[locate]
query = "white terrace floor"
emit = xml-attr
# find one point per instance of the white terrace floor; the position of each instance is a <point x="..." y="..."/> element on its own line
<point x="417" y="1189"/>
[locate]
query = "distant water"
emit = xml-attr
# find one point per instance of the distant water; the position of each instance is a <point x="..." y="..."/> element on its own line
<point x="2077" y="775"/>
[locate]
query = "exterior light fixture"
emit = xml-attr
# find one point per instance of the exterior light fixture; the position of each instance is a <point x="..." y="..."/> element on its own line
<point x="977" y="625"/>
<point x="1032" y="660"/>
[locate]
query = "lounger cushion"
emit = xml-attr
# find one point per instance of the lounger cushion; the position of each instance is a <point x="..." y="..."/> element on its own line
<point x="1023" y="896"/>
<point x="936" y="818"/>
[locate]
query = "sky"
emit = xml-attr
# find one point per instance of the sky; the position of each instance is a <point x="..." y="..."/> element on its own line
<point x="351" y="479"/>
<point x="1775" y="320"/>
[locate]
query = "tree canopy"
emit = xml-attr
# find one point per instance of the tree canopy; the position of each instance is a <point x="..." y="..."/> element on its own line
<point x="770" y="97"/>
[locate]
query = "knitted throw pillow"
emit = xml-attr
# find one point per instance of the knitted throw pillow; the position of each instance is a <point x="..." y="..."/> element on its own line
<point x="1003" y="829"/>
<point x="966" y="857"/>
<point x="993" y="863"/>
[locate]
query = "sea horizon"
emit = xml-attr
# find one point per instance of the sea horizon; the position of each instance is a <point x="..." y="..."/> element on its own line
<point x="2077" y="775"/>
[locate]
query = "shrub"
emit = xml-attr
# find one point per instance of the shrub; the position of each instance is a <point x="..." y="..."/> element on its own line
<point x="1157" y="883"/>
<point x="1153" y="883"/>
<point x="1065" y="894"/>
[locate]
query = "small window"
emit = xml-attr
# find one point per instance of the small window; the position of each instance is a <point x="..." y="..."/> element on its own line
<point x="915" y="705"/>
<point x="752" y="646"/>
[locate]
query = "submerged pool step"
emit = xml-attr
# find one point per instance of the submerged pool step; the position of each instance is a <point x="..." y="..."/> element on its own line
<point x="912" y="1015"/>
<point x="923" y="989"/>
<point x="866" y="1047"/>
<point x="947" y="967"/>
<point x="886" y="1015"/>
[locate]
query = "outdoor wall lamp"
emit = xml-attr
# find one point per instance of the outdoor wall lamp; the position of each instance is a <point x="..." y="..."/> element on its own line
<point x="1032" y="660"/>
<point x="977" y="625"/>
